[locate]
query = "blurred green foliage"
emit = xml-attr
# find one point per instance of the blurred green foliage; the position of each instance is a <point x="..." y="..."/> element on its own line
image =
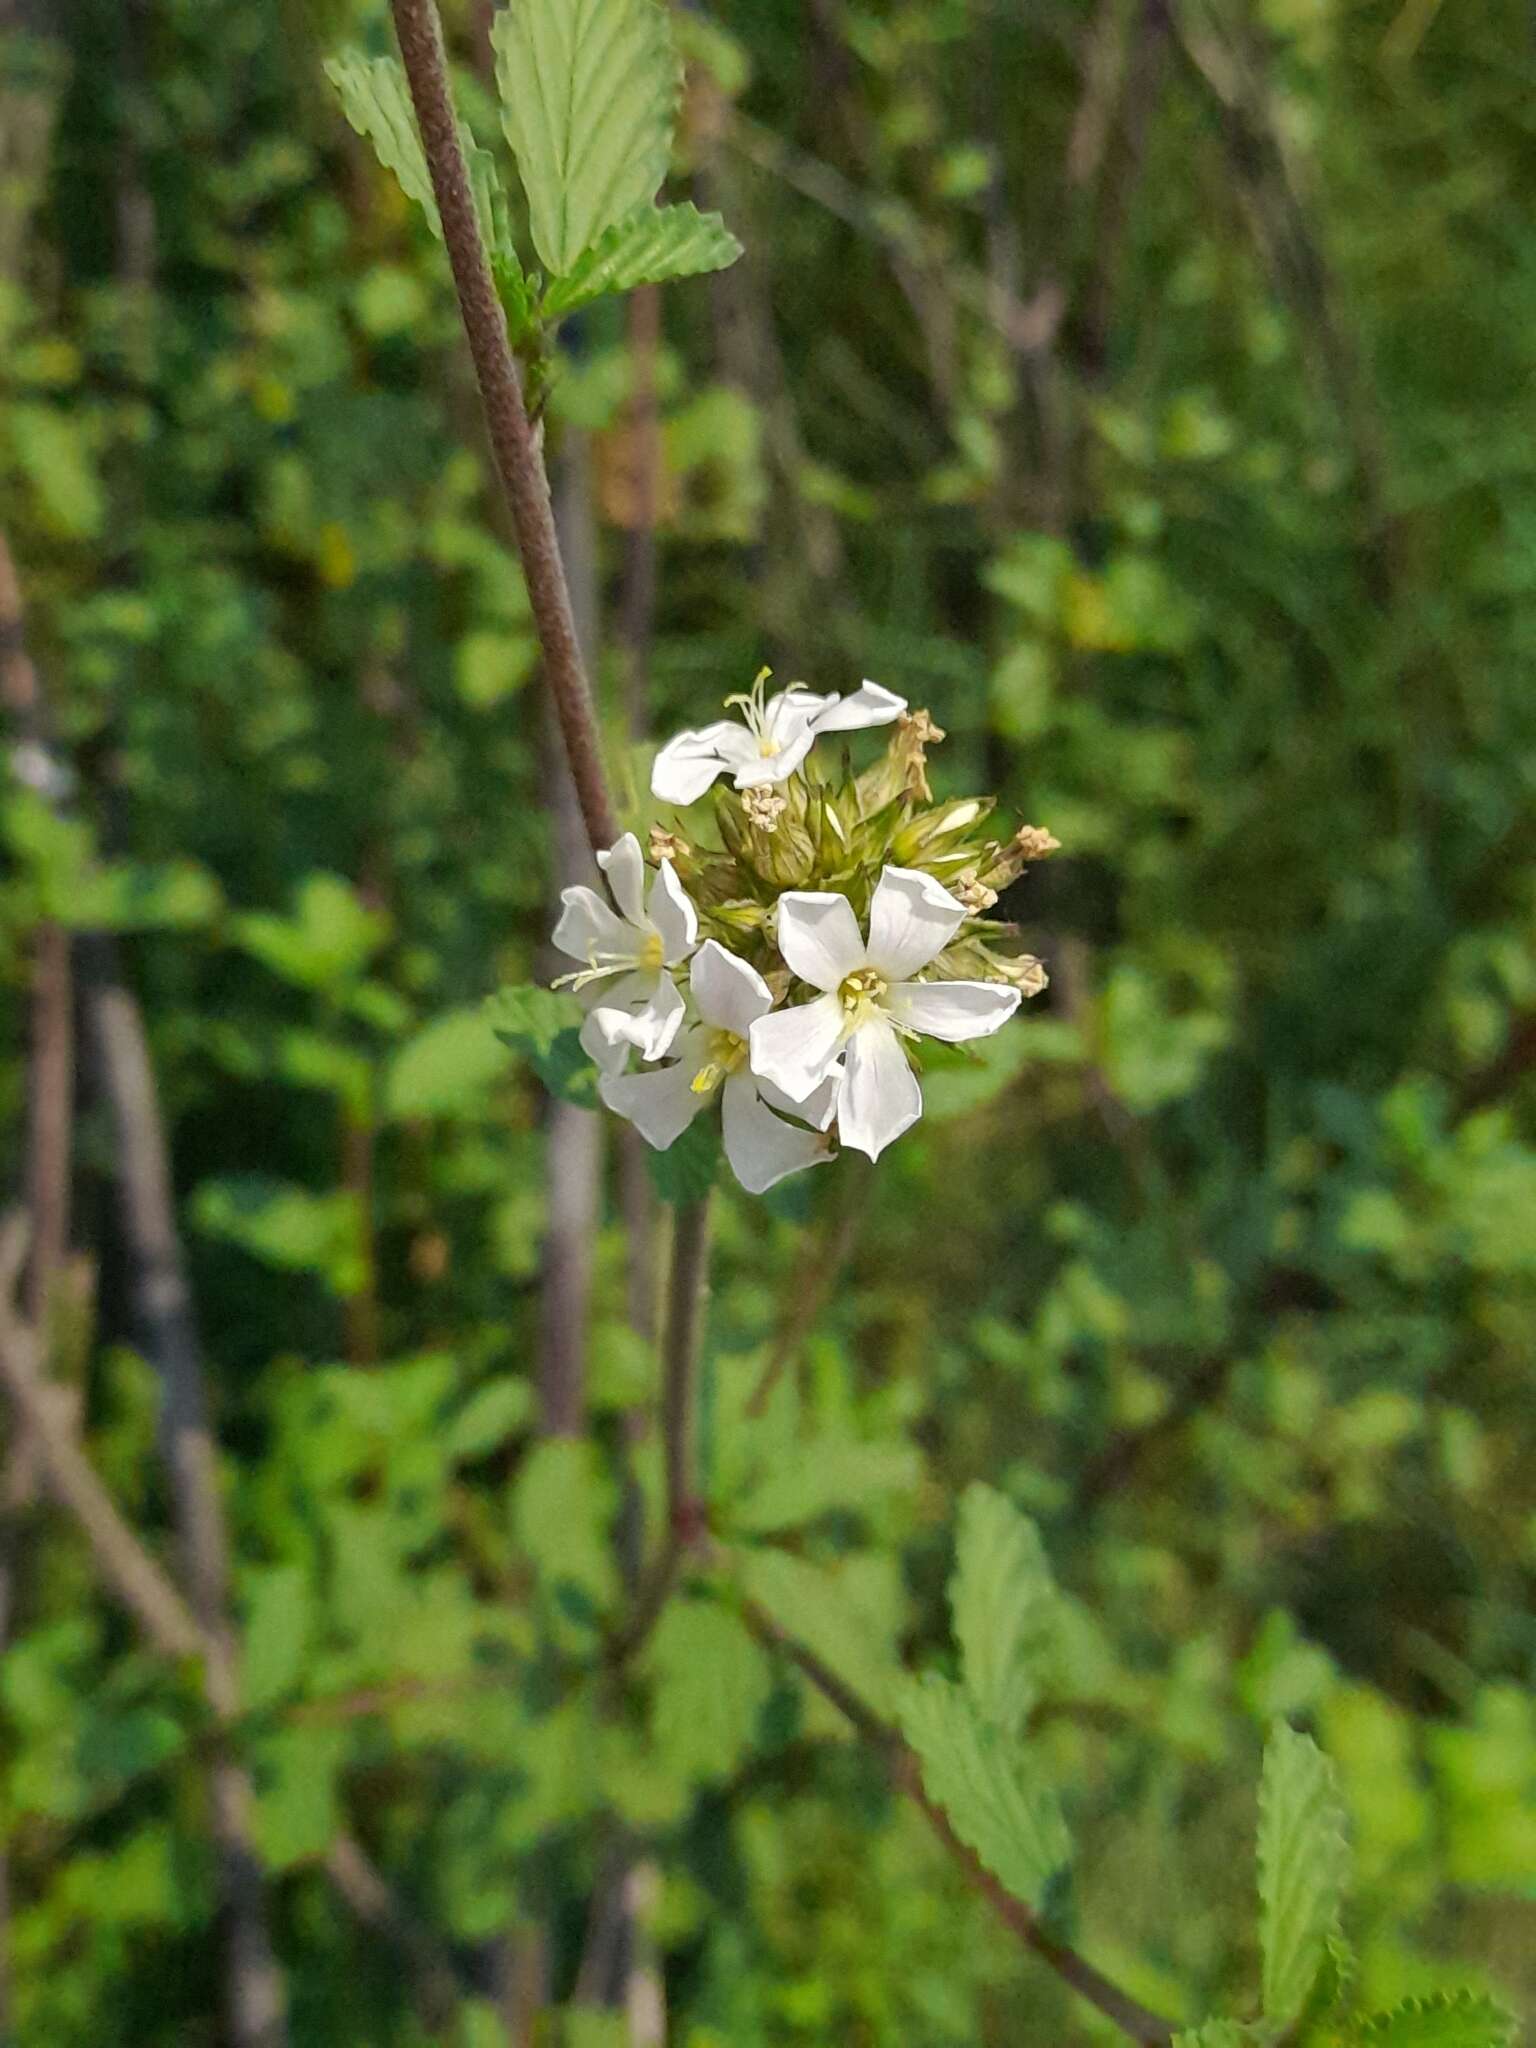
<point x="1144" y="389"/>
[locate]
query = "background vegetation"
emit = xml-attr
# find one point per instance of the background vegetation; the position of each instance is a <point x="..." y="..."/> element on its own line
<point x="1142" y="386"/>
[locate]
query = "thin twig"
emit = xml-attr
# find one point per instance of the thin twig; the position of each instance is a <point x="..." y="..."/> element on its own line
<point x="124" y="1563"/>
<point x="686" y="1524"/>
<point x="1135" y="2020"/>
<point x="818" y="1277"/>
<point x="514" y="443"/>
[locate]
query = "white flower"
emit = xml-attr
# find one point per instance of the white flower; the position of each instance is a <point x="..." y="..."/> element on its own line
<point x="871" y="1002"/>
<point x="631" y="997"/>
<point x="661" y="1102"/>
<point x="772" y="743"/>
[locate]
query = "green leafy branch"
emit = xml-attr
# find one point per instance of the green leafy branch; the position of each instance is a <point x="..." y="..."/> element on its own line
<point x="589" y="93"/>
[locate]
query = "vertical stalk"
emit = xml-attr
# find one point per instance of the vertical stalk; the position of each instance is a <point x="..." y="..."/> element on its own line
<point x="514" y="442"/>
<point x="253" y="1983"/>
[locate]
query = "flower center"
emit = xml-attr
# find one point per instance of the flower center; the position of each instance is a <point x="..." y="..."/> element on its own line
<point x="862" y="990"/>
<point x="652" y="954"/>
<point x="726" y="1053"/>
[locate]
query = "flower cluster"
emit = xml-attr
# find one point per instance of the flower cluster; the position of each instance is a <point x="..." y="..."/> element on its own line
<point x="790" y="966"/>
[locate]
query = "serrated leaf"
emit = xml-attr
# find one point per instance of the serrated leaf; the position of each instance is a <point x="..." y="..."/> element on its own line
<point x="543" y="1025"/>
<point x="711" y="1683"/>
<point x="1003" y="1600"/>
<point x="997" y="1800"/>
<point x="377" y="101"/>
<point x="650" y="246"/>
<point x="1303" y="1865"/>
<point x="1447" y="2019"/>
<point x="821" y="1609"/>
<point x="589" y="92"/>
<point x="685" y="1172"/>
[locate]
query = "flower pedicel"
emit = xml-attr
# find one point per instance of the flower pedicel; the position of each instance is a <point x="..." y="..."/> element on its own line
<point x="827" y="925"/>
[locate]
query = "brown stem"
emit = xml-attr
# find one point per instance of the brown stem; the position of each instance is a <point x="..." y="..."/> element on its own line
<point x="820" y="1274"/>
<point x="124" y="1563"/>
<point x="680" y="1366"/>
<point x="514" y="443"/>
<point x="1136" y="2021"/>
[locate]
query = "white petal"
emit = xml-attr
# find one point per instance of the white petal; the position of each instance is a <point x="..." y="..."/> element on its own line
<point x="686" y="766"/>
<point x="587" y="927"/>
<point x="661" y="1102"/>
<point x="646" y="1021"/>
<point x="728" y="992"/>
<point x="912" y="918"/>
<point x="779" y="765"/>
<point x="954" y="1010"/>
<point x="880" y="1097"/>
<point x="797" y="1049"/>
<point x="818" y="1108"/>
<point x="673" y="915"/>
<point x="819" y="937"/>
<point x="760" y="1146"/>
<point x="869" y="705"/>
<point x="624" y="867"/>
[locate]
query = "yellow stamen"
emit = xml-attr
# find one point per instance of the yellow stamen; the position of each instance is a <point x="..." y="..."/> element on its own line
<point x="726" y="1053"/>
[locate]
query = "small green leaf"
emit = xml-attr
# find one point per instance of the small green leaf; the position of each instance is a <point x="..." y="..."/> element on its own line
<point x="685" y="1172"/>
<point x="992" y="1790"/>
<point x="279" y="1613"/>
<point x="296" y="1807"/>
<point x="712" y="1681"/>
<point x="1214" y="2034"/>
<point x="488" y="1418"/>
<point x="589" y="92"/>
<point x="651" y="246"/>
<point x="1003" y="1600"/>
<point x="561" y="1512"/>
<point x="1303" y="1865"/>
<point x="377" y="101"/>
<point x="1448" y="2019"/>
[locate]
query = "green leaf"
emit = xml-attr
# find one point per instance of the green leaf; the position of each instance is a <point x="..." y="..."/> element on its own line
<point x="327" y="940"/>
<point x="279" y="1614"/>
<point x="826" y="1474"/>
<point x="1448" y="2019"/>
<point x="543" y="1026"/>
<point x="561" y="1513"/>
<point x="377" y="101"/>
<point x="488" y="1418"/>
<point x="685" y="1172"/>
<point x="589" y="92"/>
<point x="651" y="246"/>
<point x="992" y="1790"/>
<point x="296" y="1807"/>
<point x="1303" y="1865"/>
<point x="1003" y="1600"/>
<point x="286" y="1226"/>
<point x="822" y="1609"/>
<point x="446" y="1069"/>
<point x="712" y="1682"/>
<point x="1214" y="2034"/>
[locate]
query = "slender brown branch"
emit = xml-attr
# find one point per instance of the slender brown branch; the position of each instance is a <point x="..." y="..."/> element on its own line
<point x="686" y="1524"/>
<point x="819" y="1276"/>
<point x="1135" y="2020"/>
<point x="124" y="1563"/>
<point x="514" y="442"/>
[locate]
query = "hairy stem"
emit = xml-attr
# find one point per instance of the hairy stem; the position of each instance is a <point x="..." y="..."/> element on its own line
<point x="514" y="442"/>
<point x="1136" y="2021"/>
